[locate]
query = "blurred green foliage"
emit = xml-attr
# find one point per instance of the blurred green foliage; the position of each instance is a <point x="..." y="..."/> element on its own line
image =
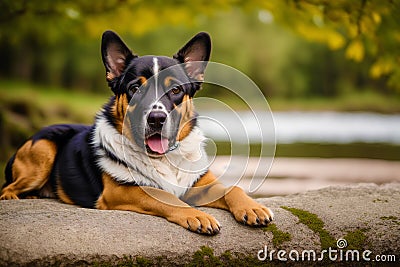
<point x="293" y="48"/>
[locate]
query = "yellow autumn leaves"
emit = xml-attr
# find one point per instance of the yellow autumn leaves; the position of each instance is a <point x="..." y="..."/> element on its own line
<point x="355" y="50"/>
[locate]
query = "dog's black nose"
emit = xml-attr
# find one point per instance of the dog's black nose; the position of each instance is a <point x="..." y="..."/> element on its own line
<point x="156" y="119"/>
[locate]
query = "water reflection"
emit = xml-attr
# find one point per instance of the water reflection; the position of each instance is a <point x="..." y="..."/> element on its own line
<point x="311" y="127"/>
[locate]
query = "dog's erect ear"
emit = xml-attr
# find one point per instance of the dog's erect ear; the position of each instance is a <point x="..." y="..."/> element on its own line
<point x="115" y="54"/>
<point x="197" y="49"/>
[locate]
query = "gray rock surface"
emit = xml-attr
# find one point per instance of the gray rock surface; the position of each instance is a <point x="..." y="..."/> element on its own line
<point x="45" y="232"/>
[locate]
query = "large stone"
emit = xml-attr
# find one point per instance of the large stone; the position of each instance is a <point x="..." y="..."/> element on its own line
<point x="46" y="232"/>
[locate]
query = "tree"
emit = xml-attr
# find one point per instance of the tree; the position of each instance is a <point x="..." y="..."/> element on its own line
<point x="366" y="28"/>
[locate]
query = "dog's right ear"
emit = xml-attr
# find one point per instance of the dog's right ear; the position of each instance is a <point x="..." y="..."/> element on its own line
<point x="195" y="55"/>
<point x="115" y="54"/>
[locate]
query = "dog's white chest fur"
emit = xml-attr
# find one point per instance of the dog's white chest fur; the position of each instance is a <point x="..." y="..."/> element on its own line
<point x="174" y="172"/>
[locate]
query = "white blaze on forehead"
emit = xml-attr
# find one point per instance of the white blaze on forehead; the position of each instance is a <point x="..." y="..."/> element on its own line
<point x="155" y="66"/>
<point x="156" y="69"/>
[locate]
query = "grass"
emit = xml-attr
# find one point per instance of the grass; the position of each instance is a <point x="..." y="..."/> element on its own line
<point x="53" y="100"/>
<point x="349" y="102"/>
<point x="351" y="150"/>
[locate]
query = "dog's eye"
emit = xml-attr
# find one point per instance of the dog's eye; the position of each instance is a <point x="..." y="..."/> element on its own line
<point x="176" y="90"/>
<point x="132" y="89"/>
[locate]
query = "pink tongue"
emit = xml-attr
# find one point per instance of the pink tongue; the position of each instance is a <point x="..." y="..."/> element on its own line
<point x="158" y="144"/>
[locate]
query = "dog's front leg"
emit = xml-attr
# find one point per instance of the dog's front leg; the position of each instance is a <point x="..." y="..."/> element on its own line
<point x="245" y="209"/>
<point x="148" y="200"/>
<point x="209" y="192"/>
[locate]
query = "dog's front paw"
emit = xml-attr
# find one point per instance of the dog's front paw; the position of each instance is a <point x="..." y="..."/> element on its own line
<point x="253" y="215"/>
<point x="7" y="195"/>
<point x="196" y="221"/>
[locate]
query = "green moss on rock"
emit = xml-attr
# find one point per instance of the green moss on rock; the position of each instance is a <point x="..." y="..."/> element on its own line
<point x="356" y="239"/>
<point x="313" y="222"/>
<point x="129" y="261"/>
<point x="279" y="237"/>
<point x="205" y="257"/>
<point x="393" y="219"/>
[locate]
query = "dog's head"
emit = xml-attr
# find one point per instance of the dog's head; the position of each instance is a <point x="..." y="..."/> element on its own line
<point x="154" y="91"/>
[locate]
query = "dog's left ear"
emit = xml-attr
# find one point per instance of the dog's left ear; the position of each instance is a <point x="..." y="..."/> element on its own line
<point x="195" y="55"/>
<point x="116" y="55"/>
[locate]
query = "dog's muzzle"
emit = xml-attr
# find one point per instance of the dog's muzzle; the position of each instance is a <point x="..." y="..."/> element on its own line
<point x="154" y="140"/>
<point x="156" y="120"/>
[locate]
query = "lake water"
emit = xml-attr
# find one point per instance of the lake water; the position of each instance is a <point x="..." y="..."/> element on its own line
<point x="301" y="127"/>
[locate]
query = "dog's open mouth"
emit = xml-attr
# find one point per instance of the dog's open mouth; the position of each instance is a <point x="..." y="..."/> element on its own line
<point x="156" y="143"/>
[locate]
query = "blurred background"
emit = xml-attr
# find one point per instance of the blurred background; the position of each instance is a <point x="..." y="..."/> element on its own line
<point x="330" y="71"/>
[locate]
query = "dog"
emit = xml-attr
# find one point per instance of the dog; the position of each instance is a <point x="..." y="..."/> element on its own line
<point x="144" y="152"/>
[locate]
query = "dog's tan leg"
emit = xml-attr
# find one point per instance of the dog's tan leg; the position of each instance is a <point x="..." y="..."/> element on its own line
<point x="245" y="209"/>
<point x="31" y="168"/>
<point x="209" y="192"/>
<point x="156" y="202"/>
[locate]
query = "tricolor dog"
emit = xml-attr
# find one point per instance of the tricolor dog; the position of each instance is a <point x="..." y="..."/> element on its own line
<point x="144" y="152"/>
